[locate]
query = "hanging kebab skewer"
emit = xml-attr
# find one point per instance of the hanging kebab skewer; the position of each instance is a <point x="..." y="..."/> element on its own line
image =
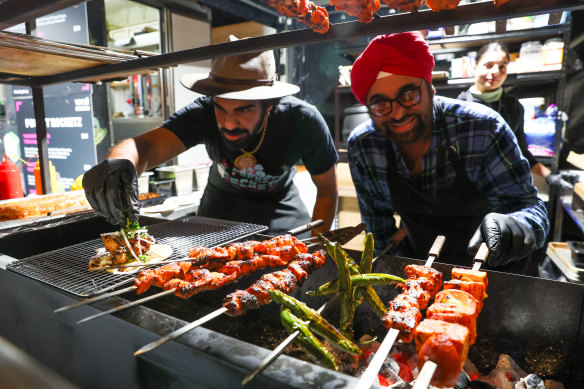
<point x="267" y="361"/>
<point x="403" y="314"/>
<point x="185" y="264"/>
<point x="257" y="294"/>
<point x="184" y="284"/>
<point x="304" y="11"/>
<point x="450" y="327"/>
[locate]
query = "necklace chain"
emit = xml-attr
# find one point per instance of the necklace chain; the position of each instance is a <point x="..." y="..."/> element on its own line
<point x="264" y="130"/>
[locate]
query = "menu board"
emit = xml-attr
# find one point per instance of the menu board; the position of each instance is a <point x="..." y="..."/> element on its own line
<point x="68" y="109"/>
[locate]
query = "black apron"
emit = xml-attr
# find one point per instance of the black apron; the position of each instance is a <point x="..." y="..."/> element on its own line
<point x="455" y="212"/>
<point x="281" y="212"/>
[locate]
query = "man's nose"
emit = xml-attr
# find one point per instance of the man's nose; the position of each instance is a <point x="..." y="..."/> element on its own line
<point x="230" y="121"/>
<point x="397" y="111"/>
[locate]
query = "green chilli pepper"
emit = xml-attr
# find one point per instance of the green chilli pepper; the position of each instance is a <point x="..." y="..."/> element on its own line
<point x="347" y="310"/>
<point x="357" y="281"/>
<point x="307" y="341"/>
<point x="367" y="257"/>
<point x="317" y="323"/>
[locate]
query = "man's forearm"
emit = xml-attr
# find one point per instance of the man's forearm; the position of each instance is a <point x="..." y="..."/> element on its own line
<point x="325" y="208"/>
<point x="127" y="149"/>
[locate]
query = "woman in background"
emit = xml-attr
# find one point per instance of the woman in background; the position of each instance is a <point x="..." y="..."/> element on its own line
<point x="490" y="74"/>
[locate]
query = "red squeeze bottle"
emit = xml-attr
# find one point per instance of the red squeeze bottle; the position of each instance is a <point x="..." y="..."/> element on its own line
<point x="10" y="183"/>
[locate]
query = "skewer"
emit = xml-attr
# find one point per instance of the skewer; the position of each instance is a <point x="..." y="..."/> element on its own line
<point x="294" y="231"/>
<point x="370" y="373"/>
<point x="94" y="299"/>
<point x="128" y="305"/>
<point x="181" y="331"/>
<point x="425" y="376"/>
<point x="267" y="361"/>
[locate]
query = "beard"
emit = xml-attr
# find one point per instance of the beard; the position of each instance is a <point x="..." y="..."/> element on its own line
<point x="421" y="128"/>
<point x="249" y="139"/>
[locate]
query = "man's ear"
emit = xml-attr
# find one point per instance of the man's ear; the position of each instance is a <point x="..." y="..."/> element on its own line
<point x="433" y="90"/>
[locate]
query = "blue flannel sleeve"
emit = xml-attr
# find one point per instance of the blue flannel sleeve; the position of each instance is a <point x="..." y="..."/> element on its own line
<point x="376" y="208"/>
<point x="504" y="176"/>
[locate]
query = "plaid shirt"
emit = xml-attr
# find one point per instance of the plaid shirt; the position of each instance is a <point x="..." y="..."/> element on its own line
<point x="487" y="149"/>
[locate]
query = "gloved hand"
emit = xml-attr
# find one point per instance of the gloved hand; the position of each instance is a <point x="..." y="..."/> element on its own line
<point x="508" y="239"/>
<point x="111" y="188"/>
<point x="558" y="180"/>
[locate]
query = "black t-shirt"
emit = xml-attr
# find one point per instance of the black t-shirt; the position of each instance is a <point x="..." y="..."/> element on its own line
<point x="296" y="131"/>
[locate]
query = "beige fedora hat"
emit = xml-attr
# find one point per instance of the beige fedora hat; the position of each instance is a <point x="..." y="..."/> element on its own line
<point x="250" y="76"/>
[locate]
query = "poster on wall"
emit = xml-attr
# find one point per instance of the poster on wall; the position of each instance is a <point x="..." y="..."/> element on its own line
<point x="68" y="110"/>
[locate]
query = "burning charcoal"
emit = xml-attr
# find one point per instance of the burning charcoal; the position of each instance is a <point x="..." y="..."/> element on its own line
<point x="506" y="374"/>
<point x="390" y="370"/>
<point x="532" y="381"/>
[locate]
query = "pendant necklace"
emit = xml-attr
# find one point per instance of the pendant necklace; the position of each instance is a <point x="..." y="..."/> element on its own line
<point x="247" y="159"/>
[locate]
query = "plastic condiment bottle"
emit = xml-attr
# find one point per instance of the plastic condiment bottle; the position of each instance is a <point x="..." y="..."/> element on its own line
<point x="10" y="182"/>
<point x="37" y="178"/>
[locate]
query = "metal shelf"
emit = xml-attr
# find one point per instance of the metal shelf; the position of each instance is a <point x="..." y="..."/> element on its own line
<point x="538" y="33"/>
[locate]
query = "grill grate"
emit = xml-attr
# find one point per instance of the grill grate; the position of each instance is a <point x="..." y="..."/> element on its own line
<point x="66" y="268"/>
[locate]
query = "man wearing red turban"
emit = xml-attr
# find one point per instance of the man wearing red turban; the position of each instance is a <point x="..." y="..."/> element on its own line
<point x="447" y="167"/>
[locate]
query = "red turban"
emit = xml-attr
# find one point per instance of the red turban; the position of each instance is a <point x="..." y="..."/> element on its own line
<point x="406" y="54"/>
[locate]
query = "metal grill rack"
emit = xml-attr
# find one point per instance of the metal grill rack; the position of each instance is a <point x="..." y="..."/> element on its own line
<point x="66" y="268"/>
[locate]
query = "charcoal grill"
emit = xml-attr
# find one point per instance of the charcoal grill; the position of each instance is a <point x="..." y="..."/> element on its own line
<point x="66" y="268"/>
<point x="538" y="322"/>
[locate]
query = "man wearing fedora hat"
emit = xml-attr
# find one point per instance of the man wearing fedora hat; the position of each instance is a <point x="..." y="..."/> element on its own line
<point x="254" y="132"/>
<point x="447" y="167"/>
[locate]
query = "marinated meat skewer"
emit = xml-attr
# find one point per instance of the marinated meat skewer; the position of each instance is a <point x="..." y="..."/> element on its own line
<point x="305" y="11"/>
<point x="404" y="312"/>
<point x="424" y="277"/>
<point x="199" y="280"/>
<point x="237" y="302"/>
<point x="232" y="259"/>
<point x="285" y="280"/>
<point x="362" y="9"/>
<point x="404" y="5"/>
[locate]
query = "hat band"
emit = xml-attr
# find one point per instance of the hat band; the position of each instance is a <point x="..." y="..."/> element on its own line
<point x="241" y="81"/>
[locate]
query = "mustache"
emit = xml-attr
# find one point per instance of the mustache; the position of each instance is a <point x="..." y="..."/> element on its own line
<point x="401" y="120"/>
<point x="235" y="131"/>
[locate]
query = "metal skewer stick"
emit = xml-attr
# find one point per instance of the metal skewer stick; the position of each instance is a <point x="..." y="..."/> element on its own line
<point x="370" y="373"/>
<point x="181" y="331"/>
<point x="94" y="299"/>
<point x="128" y="305"/>
<point x="267" y="361"/>
<point x="425" y="376"/>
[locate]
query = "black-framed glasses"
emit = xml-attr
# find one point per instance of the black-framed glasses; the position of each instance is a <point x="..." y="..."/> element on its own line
<point x="406" y="99"/>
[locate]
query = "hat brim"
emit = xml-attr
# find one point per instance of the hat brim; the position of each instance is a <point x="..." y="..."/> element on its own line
<point x="213" y="88"/>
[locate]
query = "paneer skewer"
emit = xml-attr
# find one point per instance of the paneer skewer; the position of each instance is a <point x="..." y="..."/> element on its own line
<point x="370" y="373"/>
<point x="443" y="339"/>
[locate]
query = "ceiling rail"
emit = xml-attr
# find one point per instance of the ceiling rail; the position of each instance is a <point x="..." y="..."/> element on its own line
<point x="463" y="14"/>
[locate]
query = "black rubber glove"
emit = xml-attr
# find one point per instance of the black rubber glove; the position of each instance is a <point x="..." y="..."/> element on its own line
<point x="111" y="188"/>
<point x="559" y="181"/>
<point x="508" y="239"/>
